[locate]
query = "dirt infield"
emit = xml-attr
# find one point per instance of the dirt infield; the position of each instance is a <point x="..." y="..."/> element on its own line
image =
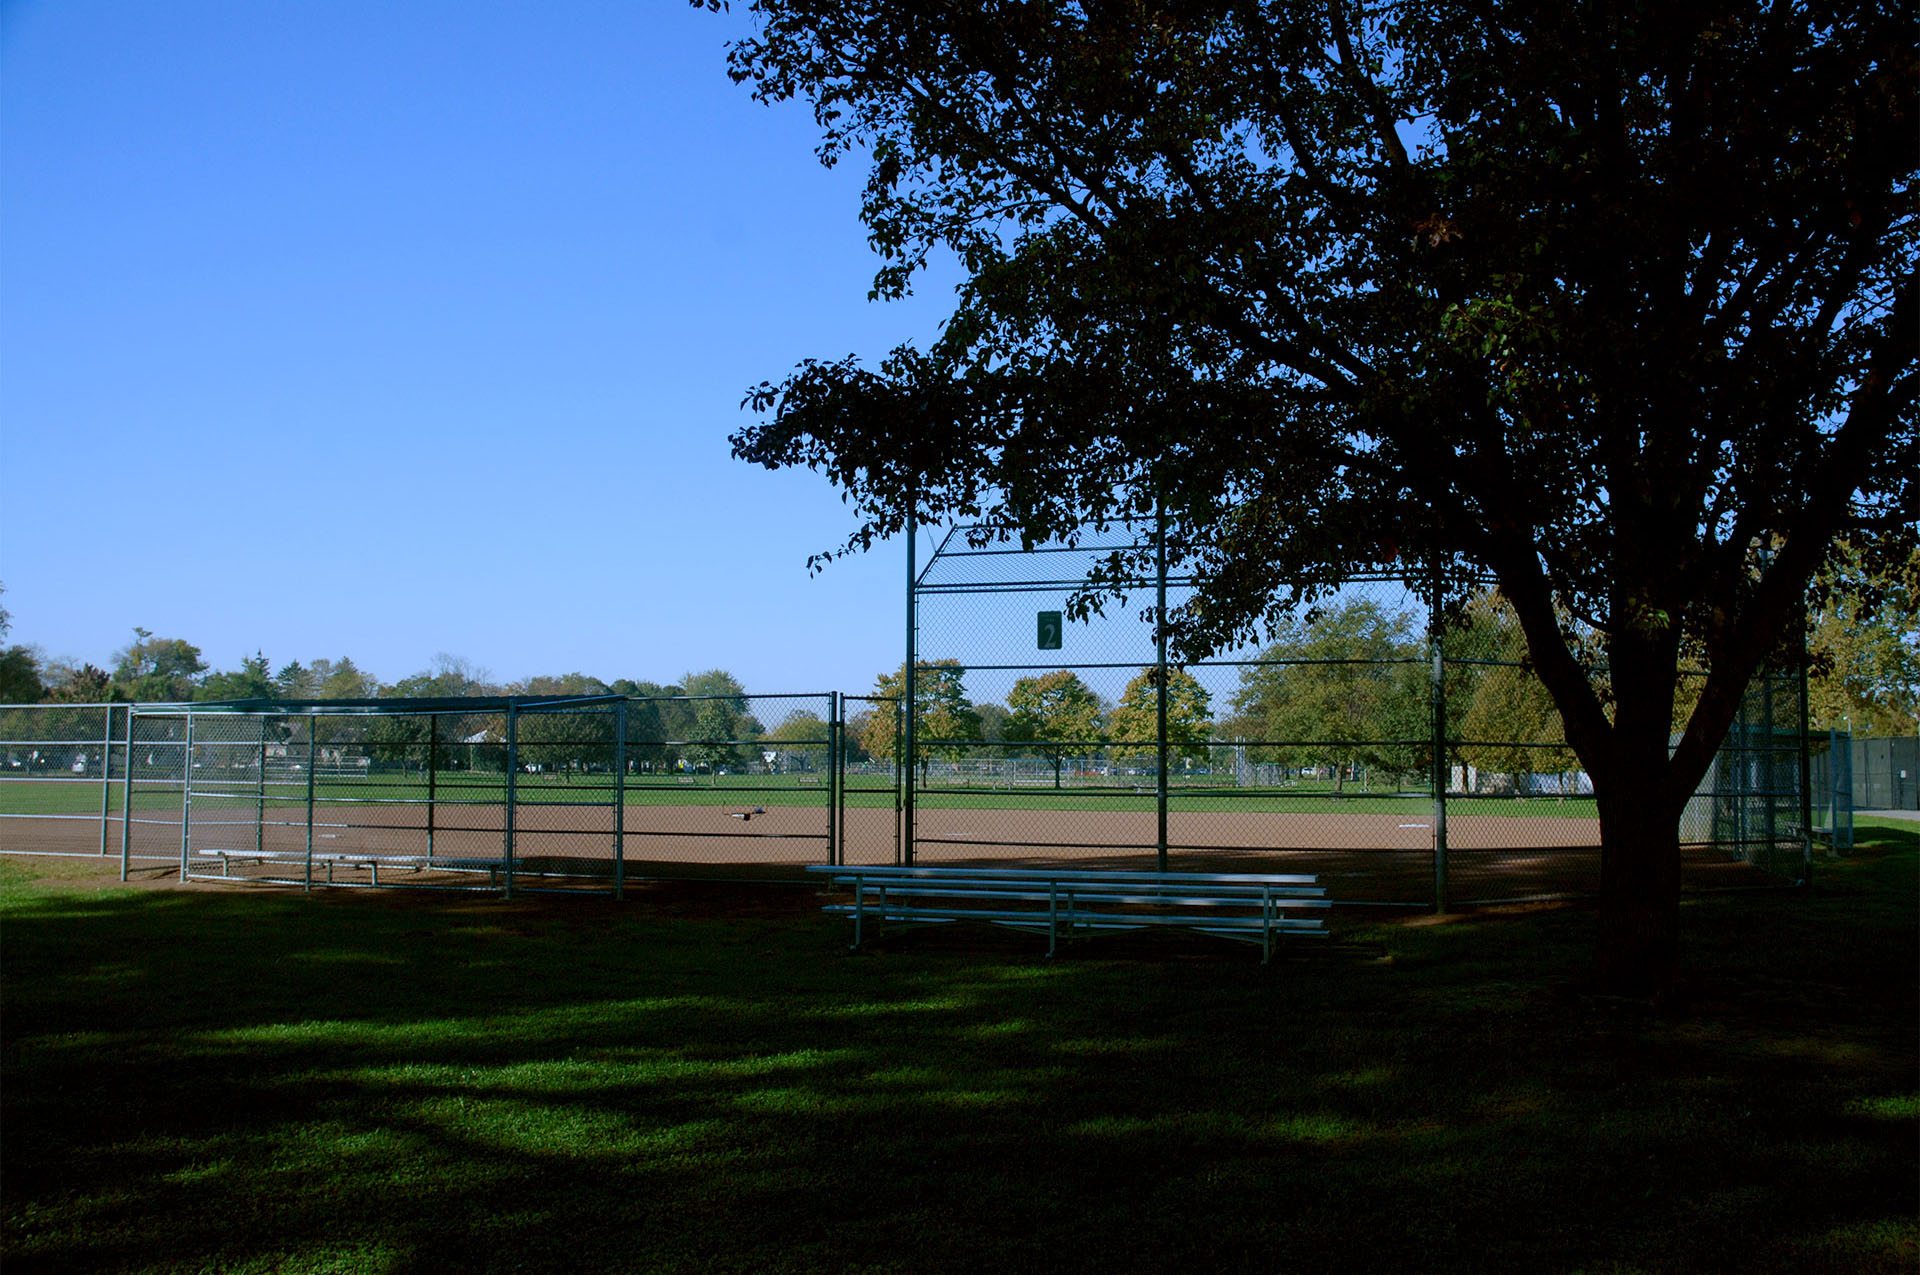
<point x="1362" y="858"/>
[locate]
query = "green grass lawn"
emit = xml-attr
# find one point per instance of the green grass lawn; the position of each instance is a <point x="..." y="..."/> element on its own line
<point x="702" y="1079"/>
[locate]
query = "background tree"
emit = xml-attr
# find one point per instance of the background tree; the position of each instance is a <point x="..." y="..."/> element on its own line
<point x="947" y="721"/>
<point x="295" y="681"/>
<point x="1356" y="697"/>
<point x="342" y="679"/>
<point x="1134" y="724"/>
<point x="648" y="725"/>
<point x="20" y="676"/>
<point x="448" y="677"/>
<point x="1057" y="713"/>
<point x="1863" y="647"/>
<point x="721" y="723"/>
<point x="250" y="681"/>
<point x="566" y="742"/>
<point x="801" y="741"/>
<point x="1510" y="724"/>
<point x="1616" y="301"/>
<point x="158" y="669"/>
<point x="84" y="685"/>
<point x="19" y="668"/>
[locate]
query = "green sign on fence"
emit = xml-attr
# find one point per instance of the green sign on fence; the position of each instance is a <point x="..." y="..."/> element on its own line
<point x="1049" y="630"/>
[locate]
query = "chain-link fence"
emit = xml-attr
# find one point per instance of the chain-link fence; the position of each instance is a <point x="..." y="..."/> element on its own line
<point x="1403" y="761"/>
<point x="62" y="768"/>
<point x="731" y="783"/>
<point x="870" y="783"/>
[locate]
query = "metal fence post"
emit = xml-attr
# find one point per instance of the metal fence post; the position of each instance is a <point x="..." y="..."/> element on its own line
<point x="620" y="800"/>
<point x="513" y="767"/>
<point x="106" y="776"/>
<point x="833" y="778"/>
<point x="1438" y="711"/>
<point x="1160" y="683"/>
<point x="313" y="755"/>
<point x="126" y="799"/>
<point x="899" y="786"/>
<point x="433" y="772"/>
<point x="260" y="796"/>
<point x="908" y="737"/>
<point x="1806" y="771"/>
<point x="186" y="797"/>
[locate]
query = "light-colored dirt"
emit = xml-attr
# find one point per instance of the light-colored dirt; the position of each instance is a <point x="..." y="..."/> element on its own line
<point x="1360" y="857"/>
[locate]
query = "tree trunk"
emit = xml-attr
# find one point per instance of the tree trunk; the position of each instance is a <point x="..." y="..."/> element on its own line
<point x="1639" y="941"/>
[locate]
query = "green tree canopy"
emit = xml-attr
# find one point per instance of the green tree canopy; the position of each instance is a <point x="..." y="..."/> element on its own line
<point x="1134" y="725"/>
<point x="1510" y="724"/>
<point x="721" y="727"/>
<point x="1616" y="302"/>
<point x="1341" y="688"/>
<point x="342" y="679"/>
<point x="158" y="669"/>
<point x="449" y="676"/>
<point x="947" y="721"/>
<point x="84" y="685"/>
<point x="20" y="676"/>
<point x="250" y="681"/>
<point x="1863" y="647"/>
<point x="1056" y="713"/>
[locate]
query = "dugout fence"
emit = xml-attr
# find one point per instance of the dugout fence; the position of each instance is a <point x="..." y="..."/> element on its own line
<point x="504" y="794"/>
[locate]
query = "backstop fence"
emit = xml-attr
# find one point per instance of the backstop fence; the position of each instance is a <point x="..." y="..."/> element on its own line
<point x="1404" y="760"/>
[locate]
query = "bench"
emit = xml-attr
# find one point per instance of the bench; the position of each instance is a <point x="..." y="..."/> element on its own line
<point x="1067" y="904"/>
<point x="370" y="863"/>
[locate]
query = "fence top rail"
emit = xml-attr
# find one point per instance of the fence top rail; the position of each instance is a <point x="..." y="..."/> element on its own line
<point x="398" y="705"/>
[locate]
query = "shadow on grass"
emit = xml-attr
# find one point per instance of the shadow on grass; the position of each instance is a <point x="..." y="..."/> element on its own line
<point x="257" y="1081"/>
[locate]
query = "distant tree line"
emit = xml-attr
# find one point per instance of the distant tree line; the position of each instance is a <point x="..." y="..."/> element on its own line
<point x="1345" y="690"/>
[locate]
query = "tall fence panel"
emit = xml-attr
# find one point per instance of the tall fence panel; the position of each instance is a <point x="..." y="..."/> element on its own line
<point x="869" y="798"/>
<point x="62" y="777"/>
<point x="1404" y="760"/>
<point x="730" y="783"/>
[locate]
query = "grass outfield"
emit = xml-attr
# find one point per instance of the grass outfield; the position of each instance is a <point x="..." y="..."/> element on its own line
<point x="700" y="1079"/>
<point x="44" y="797"/>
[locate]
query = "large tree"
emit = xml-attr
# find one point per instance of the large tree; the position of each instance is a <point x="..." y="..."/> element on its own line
<point x="158" y="669"/>
<point x="1056" y="713"/>
<point x="1864" y="647"/>
<point x="1339" y="688"/>
<point x="1134" y="725"/>
<point x="946" y="721"/>
<point x="1615" y="301"/>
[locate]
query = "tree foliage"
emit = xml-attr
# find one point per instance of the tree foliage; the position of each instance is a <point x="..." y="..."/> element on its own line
<point x="1863" y="644"/>
<point x="158" y="669"/>
<point x="1134" y="725"/>
<point x="1341" y="688"/>
<point x="946" y="720"/>
<point x="1614" y="301"/>
<point x="1057" y="714"/>
<point x="251" y="680"/>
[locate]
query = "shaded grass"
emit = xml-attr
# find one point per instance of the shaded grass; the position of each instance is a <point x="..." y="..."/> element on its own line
<point x="700" y="1080"/>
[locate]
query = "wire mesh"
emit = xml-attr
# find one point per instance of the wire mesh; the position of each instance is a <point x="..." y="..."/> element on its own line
<point x="1404" y="762"/>
<point x="61" y="773"/>
<point x="735" y="782"/>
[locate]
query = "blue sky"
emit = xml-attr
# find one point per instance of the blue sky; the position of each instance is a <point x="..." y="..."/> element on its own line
<point x="384" y="330"/>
